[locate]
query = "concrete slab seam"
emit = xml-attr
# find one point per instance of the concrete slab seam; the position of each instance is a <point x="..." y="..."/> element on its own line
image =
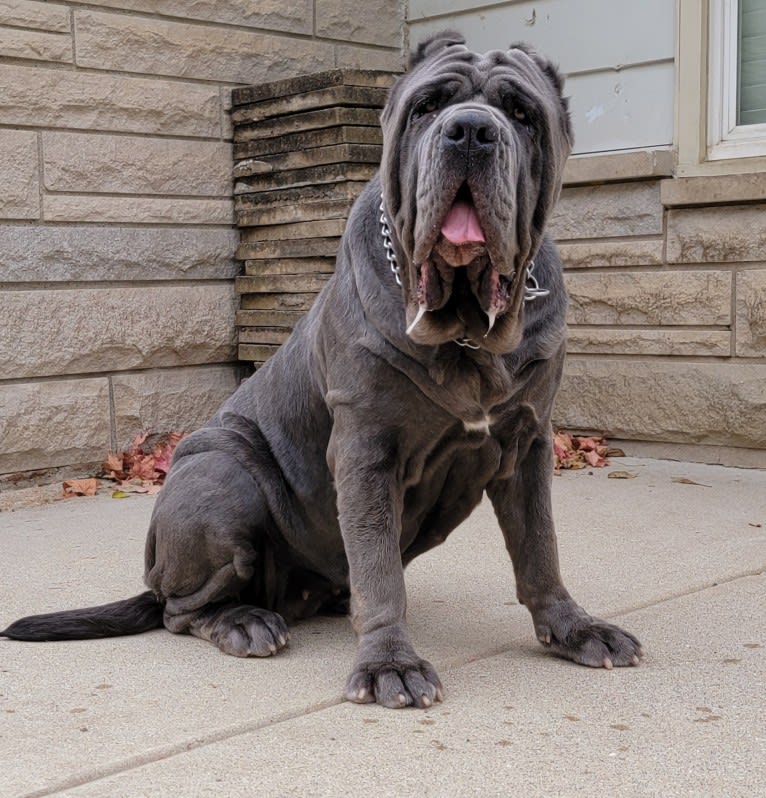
<point x="172" y="750"/>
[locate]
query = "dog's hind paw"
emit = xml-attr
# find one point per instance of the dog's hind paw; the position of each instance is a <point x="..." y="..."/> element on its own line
<point x="243" y="631"/>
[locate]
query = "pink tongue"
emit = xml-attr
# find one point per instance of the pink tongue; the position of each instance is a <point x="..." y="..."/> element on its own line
<point x="462" y="224"/>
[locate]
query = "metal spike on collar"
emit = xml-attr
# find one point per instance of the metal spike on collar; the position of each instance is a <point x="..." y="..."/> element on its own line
<point x="532" y="288"/>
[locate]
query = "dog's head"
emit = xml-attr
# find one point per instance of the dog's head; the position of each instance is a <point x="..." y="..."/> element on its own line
<point x="474" y="148"/>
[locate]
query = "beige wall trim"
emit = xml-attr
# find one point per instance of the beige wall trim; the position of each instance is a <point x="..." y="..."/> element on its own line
<point x="713" y="190"/>
<point x="691" y="84"/>
<point x="691" y="452"/>
<point x="618" y="167"/>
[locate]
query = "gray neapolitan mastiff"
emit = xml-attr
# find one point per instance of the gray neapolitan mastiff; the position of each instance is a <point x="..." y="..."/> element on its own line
<point x="422" y="377"/>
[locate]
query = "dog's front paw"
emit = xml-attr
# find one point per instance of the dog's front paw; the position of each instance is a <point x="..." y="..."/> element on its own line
<point x="396" y="682"/>
<point x="569" y="632"/>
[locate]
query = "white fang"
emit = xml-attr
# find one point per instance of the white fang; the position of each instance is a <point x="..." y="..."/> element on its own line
<point x="421" y="312"/>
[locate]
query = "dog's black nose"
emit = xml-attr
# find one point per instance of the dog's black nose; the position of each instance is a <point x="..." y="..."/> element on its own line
<point x="471" y="131"/>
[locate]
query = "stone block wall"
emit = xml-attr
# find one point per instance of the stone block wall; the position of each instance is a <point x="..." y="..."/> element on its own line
<point x="667" y="286"/>
<point x="117" y="244"/>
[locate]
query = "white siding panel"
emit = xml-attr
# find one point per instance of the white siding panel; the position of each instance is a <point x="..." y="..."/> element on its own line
<point x="622" y="110"/>
<point x="579" y="36"/>
<point x="618" y="55"/>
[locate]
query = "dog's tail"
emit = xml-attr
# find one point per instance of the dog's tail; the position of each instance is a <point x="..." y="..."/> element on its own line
<point x="127" y="617"/>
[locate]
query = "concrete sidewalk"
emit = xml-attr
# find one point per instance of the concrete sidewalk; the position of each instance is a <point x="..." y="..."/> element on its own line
<point x="682" y="566"/>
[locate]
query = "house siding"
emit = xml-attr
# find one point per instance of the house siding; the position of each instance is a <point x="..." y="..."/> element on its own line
<point x="618" y="57"/>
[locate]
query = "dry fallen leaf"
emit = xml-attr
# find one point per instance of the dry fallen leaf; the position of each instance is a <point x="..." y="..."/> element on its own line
<point x="81" y="487"/>
<point x="687" y="481"/>
<point x="142" y="468"/>
<point x="622" y="475"/>
<point x="574" y="451"/>
<point x="145" y="463"/>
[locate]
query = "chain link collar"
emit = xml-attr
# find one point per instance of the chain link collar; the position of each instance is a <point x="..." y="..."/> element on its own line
<point x="532" y="289"/>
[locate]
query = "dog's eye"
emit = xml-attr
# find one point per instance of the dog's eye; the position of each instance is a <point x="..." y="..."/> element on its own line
<point x="426" y="107"/>
<point x="521" y="117"/>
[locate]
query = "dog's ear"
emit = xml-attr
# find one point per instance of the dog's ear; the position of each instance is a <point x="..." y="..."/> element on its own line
<point x="548" y="68"/>
<point x="555" y="78"/>
<point x="431" y="45"/>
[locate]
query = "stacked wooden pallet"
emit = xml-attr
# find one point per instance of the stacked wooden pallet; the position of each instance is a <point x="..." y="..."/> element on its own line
<point x="303" y="150"/>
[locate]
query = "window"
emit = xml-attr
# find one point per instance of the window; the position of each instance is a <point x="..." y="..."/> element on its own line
<point x="737" y="79"/>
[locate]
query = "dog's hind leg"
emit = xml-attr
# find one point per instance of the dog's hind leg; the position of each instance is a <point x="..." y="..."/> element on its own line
<point x="208" y="555"/>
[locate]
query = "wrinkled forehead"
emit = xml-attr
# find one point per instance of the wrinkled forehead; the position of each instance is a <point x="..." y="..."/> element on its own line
<point x="480" y="70"/>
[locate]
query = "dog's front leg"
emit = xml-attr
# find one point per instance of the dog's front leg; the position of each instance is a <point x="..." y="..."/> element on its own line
<point x="387" y="669"/>
<point x="522" y="504"/>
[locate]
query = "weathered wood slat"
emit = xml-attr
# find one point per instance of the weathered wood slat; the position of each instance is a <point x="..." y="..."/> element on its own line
<point x="291" y="143"/>
<point x="306" y="121"/>
<point x="304" y="84"/>
<point x="304" y="149"/>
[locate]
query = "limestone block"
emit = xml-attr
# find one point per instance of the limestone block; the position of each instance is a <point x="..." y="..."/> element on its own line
<point x="82" y="162"/>
<point x="162" y="47"/>
<point x="53" y="423"/>
<point x="593" y="340"/>
<point x="687" y="402"/>
<point x="714" y="189"/>
<point x="166" y="400"/>
<point x="83" y="253"/>
<point x="146" y="210"/>
<point x="20" y="195"/>
<point x="33" y="14"/>
<point x="606" y="253"/>
<point x="351" y="21"/>
<point x="295" y="16"/>
<point x="671" y="298"/>
<point x="622" y="166"/>
<point x="725" y="234"/>
<point x="751" y="313"/>
<point x="620" y="209"/>
<point x="348" y="56"/>
<point x="92" y="101"/>
<point x="36" y="45"/>
<point x="115" y="329"/>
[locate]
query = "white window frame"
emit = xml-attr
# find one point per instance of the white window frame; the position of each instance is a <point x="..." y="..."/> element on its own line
<point x="727" y="139"/>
